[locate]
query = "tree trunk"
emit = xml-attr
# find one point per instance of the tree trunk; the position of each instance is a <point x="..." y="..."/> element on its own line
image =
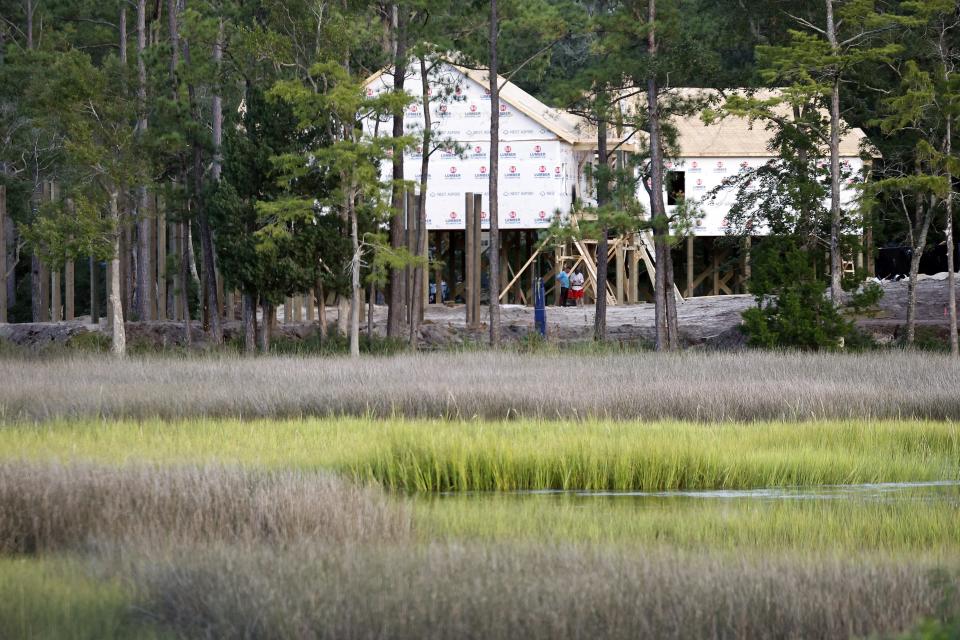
<point x="836" y="267"/>
<point x="3" y="253"/>
<point x="951" y="276"/>
<point x="603" y="197"/>
<point x="355" y="291"/>
<point x="266" y="328"/>
<point x="396" y="297"/>
<point x="185" y="257"/>
<point x="419" y="274"/>
<point x="207" y="251"/>
<point x="249" y="324"/>
<point x="145" y="222"/>
<point x="666" y="326"/>
<point x="370" y="304"/>
<point x="118" y="340"/>
<point x="925" y="218"/>
<point x="493" y="189"/>
<point x="321" y="309"/>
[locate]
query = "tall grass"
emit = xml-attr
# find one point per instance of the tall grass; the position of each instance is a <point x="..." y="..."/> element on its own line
<point x="57" y="598"/>
<point x="469" y="456"/>
<point x="52" y="507"/>
<point x="490" y="592"/>
<point x="691" y="386"/>
<point x="926" y="524"/>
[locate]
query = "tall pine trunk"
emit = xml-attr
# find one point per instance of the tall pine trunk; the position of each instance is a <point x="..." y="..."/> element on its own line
<point x="494" y="189"/>
<point x="118" y="339"/>
<point x="249" y="323"/>
<point x="396" y="297"/>
<point x="420" y="272"/>
<point x="355" y="291"/>
<point x="603" y="199"/>
<point x="208" y="257"/>
<point x="951" y="276"/>
<point x="836" y="267"/>
<point x="145" y="261"/>
<point x="665" y="309"/>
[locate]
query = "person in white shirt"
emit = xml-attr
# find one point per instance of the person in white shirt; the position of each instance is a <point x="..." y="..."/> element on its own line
<point x="576" y="288"/>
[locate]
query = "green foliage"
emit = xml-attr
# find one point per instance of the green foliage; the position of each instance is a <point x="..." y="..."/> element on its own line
<point x="792" y="307"/>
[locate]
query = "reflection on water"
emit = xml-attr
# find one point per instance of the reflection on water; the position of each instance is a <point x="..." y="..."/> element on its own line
<point x="947" y="491"/>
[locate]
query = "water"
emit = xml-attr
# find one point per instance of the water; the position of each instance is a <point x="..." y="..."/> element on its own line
<point x="945" y="491"/>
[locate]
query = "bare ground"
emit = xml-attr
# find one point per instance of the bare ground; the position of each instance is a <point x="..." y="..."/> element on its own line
<point x="704" y="321"/>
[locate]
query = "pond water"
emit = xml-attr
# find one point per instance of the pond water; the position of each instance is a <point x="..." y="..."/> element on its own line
<point x="947" y="491"/>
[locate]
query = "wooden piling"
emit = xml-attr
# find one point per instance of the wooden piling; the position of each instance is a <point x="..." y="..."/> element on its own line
<point x="469" y="242"/>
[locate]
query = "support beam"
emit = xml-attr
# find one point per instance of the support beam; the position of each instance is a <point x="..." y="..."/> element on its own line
<point x="690" y="267"/>
<point x="633" y="279"/>
<point x="621" y="277"/>
<point x="469" y="242"/>
<point x="477" y="252"/>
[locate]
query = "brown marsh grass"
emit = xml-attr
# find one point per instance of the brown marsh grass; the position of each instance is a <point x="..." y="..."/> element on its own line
<point x="699" y="386"/>
<point x="54" y="507"/>
<point x="490" y="592"/>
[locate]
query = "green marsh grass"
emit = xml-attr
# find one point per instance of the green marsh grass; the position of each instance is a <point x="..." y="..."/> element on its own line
<point x="56" y="597"/>
<point x="925" y="524"/>
<point x="439" y="455"/>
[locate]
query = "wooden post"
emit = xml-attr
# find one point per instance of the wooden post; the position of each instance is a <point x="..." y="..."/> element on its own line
<point x="469" y="242"/>
<point x="161" y="261"/>
<point x="477" y="251"/>
<point x="56" y="307"/>
<point x="94" y="286"/>
<point x="621" y="273"/>
<point x="68" y="291"/>
<point x="633" y="287"/>
<point x="690" y="272"/>
<point x="437" y="267"/>
<point x="3" y="253"/>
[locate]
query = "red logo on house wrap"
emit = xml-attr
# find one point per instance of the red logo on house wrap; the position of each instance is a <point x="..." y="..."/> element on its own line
<point x="513" y="169"/>
<point x="483" y="169"/>
<point x="513" y="214"/>
<point x="473" y="107"/>
<point x="369" y="91"/>
<point x="443" y="108"/>
<point x="458" y="90"/>
<point x="478" y="149"/>
<point x="413" y="108"/>
<point x="453" y="215"/>
<point x="453" y="169"/>
<point x="543" y="215"/>
<point x="484" y="215"/>
<point x="556" y="170"/>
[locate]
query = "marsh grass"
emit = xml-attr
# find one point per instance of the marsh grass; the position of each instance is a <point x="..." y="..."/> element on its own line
<point x="470" y="591"/>
<point x="924" y="525"/>
<point x="439" y="455"/>
<point x="58" y="598"/>
<point x="53" y="507"/>
<point x="697" y="386"/>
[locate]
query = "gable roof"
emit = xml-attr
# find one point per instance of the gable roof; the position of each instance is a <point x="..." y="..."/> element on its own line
<point x="734" y="136"/>
<point x="568" y="127"/>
